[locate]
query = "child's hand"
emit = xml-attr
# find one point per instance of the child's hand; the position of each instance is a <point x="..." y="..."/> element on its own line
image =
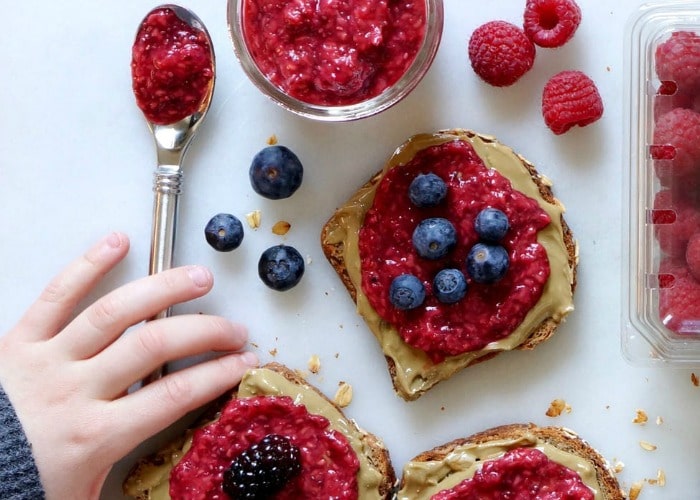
<point x="67" y="378"/>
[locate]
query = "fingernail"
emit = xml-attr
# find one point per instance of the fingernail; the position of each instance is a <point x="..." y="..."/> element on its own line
<point x="249" y="359"/>
<point x="200" y="276"/>
<point x="114" y="240"/>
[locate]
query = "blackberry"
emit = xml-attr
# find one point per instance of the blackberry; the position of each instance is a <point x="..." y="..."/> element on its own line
<point x="263" y="469"/>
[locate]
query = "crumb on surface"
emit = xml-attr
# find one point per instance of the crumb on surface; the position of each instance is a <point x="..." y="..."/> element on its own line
<point x="635" y="490"/>
<point x="618" y="467"/>
<point x="694" y="379"/>
<point x="280" y="228"/>
<point x="343" y="396"/>
<point x="647" y="446"/>
<point x="272" y="140"/>
<point x="557" y="407"/>
<point x="314" y="364"/>
<point x="273" y="352"/>
<point x="641" y="418"/>
<point x="254" y="219"/>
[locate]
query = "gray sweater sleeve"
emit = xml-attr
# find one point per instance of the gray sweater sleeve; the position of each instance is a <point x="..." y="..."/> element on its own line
<point x="19" y="477"/>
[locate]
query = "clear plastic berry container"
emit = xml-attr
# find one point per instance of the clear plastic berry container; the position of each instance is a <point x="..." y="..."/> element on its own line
<point x="661" y="187"/>
<point x="335" y="65"/>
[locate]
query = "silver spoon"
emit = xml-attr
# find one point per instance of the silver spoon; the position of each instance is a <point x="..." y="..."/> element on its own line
<point x="172" y="141"/>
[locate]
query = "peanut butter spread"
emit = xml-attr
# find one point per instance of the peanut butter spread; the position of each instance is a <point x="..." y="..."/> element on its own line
<point x="421" y="480"/>
<point x="415" y="372"/>
<point x="265" y="382"/>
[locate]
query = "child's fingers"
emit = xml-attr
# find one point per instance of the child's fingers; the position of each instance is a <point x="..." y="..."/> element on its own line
<point x="105" y="320"/>
<point x="58" y="300"/>
<point x="140" y="352"/>
<point x="152" y="408"/>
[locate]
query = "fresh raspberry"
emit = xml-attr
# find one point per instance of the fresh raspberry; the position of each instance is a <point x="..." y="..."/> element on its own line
<point x="678" y="60"/>
<point x="500" y="53"/>
<point x="551" y="23"/>
<point x="678" y="129"/>
<point x="692" y="255"/>
<point x="679" y="301"/>
<point x="570" y="98"/>
<point x="675" y="220"/>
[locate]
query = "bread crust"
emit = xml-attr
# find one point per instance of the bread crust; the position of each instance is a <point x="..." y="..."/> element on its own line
<point x="335" y="254"/>
<point x="559" y="437"/>
<point x="136" y="485"/>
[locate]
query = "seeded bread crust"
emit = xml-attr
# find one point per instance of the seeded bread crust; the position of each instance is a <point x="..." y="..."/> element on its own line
<point x="138" y="485"/>
<point x="560" y="437"/>
<point x="335" y="254"/>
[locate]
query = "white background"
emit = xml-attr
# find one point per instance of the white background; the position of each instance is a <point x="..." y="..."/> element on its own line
<point x="76" y="162"/>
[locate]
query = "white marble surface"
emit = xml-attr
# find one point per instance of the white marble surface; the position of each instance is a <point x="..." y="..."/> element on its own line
<point x="76" y="161"/>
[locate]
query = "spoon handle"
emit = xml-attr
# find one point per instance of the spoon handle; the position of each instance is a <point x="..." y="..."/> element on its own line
<point x="167" y="187"/>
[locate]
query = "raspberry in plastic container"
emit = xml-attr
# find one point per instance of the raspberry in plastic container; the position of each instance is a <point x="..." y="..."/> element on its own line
<point x="661" y="191"/>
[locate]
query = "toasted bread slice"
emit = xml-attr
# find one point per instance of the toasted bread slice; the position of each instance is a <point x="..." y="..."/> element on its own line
<point x="447" y="465"/>
<point x="149" y="478"/>
<point x="412" y="371"/>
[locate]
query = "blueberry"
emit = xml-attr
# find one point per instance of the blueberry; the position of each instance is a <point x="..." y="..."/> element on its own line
<point x="491" y="224"/>
<point x="224" y="232"/>
<point x="406" y="292"/>
<point x="433" y="238"/>
<point x="487" y="263"/>
<point x="276" y="172"/>
<point x="281" y="267"/>
<point x="449" y="285"/>
<point x="427" y="190"/>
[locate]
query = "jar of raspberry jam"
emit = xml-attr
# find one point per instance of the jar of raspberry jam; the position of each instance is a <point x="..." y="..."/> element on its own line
<point x="335" y="61"/>
<point x="661" y="189"/>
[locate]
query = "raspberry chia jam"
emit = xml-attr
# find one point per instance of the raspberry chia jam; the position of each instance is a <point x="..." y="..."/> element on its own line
<point x="329" y="465"/>
<point x="171" y="67"/>
<point x="520" y="473"/>
<point x="334" y="53"/>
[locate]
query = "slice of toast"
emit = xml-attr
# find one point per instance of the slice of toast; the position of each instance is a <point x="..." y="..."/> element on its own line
<point x="412" y="371"/>
<point x="149" y="478"/>
<point x="447" y="465"/>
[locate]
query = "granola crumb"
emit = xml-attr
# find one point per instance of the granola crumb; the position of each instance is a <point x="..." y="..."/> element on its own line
<point x="694" y="379"/>
<point x="556" y="407"/>
<point x="343" y="395"/>
<point x="281" y="228"/>
<point x="659" y="420"/>
<point x="641" y="417"/>
<point x="647" y="446"/>
<point x="635" y="490"/>
<point x="314" y="364"/>
<point x="618" y="467"/>
<point x="254" y="218"/>
<point x="661" y="477"/>
<point x="272" y="140"/>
